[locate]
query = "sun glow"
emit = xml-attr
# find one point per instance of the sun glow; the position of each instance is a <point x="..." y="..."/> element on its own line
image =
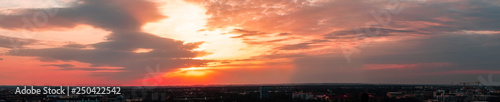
<point x="189" y="72"/>
<point x="142" y="50"/>
<point x="192" y="68"/>
<point x="187" y="22"/>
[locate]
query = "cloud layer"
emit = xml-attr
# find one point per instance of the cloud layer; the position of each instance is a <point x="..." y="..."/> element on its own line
<point x="124" y="19"/>
<point x="365" y="41"/>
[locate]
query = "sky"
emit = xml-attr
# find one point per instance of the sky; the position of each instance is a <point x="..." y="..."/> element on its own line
<point x="220" y="42"/>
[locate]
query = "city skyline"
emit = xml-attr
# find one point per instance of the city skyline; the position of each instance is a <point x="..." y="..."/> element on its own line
<point x="223" y="42"/>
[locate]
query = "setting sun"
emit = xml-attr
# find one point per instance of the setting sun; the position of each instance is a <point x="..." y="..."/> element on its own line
<point x="189" y="72"/>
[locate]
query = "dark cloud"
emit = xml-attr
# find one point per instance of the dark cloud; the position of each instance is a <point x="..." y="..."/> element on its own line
<point x="358" y="32"/>
<point x="284" y="34"/>
<point x="254" y="37"/>
<point x="88" y="69"/>
<point x="247" y="33"/>
<point x="296" y="46"/>
<point x="72" y="67"/>
<point x="304" y="45"/>
<point x="12" y="42"/>
<point x="107" y="14"/>
<point x="445" y="16"/>
<point x="124" y="19"/>
<point x="279" y="55"/>
<point x="434" y="57"/>
<point x="75" y="45"/>
<point x="60" y="65"/>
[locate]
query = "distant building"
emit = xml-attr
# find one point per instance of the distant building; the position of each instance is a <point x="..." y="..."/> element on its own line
<point x="264" y="91"/>
<point x="158" y="97"/>
<point x="396" y="95"/>
<point x="303" y="96"/>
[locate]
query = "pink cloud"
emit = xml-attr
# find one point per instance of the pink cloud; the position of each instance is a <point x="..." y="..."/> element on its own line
<point x="464" y="72"/>
<point x="404" y="66"/>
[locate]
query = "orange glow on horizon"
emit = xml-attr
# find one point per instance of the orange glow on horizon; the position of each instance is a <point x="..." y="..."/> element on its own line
<point x="189" y="72"/>
<point x="181" y="76"/>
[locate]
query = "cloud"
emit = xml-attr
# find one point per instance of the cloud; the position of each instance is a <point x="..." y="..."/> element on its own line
<point x="124" y="19"/>
<point x="338" y="19"/>
<point x="246" y="33"/>
<point x="106" y="14"/>
<point x="419" y="43"/>
<point x="357" y="32"/>
<point x="12" y="42"/>
<point x="297" y="17"/>
<point x="60" y="65"/>
<point x="72" y="67"/>
<point x="296" y="46"/>
<point x="75" y="45"/>
<point x="87" y="69"/>
<point x="434" y="17"/>
<point x="441" y="59"/>
<point x="403" y="66"/>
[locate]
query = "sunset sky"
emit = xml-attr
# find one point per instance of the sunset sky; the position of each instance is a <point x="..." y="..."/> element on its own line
<point x="193" y="42"/>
